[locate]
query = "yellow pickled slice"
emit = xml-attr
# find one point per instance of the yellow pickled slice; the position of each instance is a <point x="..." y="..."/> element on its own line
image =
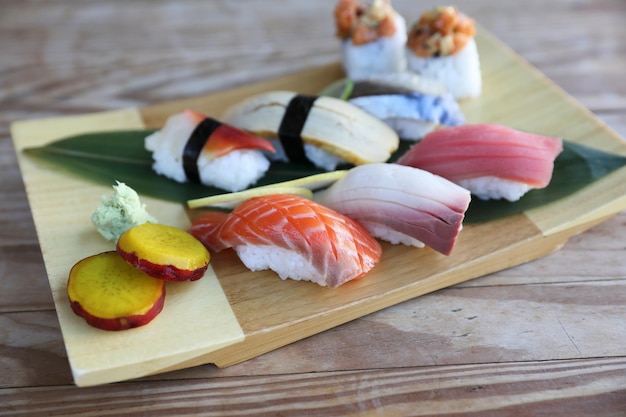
<point x="164" y="245"/>
<point x="107" y="287"/>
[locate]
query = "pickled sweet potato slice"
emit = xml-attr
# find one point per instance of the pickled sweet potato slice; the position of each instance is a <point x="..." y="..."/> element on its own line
<point x="164" y="252"/>
<point x="111" y="294"/>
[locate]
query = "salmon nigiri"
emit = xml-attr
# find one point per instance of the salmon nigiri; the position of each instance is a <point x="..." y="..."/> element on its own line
<point x="490" y="160"/>
<point x="295" y="237"/>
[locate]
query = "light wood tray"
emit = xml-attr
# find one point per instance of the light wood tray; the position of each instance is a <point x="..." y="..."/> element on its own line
<point x="232" y="314"/>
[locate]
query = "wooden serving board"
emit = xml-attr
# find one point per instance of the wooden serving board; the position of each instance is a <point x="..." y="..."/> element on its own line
<point x="233" y="314"/>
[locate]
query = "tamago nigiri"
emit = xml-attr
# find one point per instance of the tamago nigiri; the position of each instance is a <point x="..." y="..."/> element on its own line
<point x="490" y="160"/>
<point x="293" y="236"/>
<point x="324" y="131"/>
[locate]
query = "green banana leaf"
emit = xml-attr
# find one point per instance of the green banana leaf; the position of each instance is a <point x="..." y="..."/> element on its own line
<point x="107" y="157"/>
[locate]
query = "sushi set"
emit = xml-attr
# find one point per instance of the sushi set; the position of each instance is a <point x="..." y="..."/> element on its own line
<point x="240" y="310"/>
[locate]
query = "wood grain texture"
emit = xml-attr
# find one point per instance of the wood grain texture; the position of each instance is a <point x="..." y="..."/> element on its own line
<point x="70" y="57"/>
<point x="574" y="387"/>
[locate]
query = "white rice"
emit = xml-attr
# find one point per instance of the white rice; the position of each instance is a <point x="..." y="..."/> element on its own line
<point x="167" y="146"/>
<point x="487" y="188"/>
<point x="234" y="171"/>
<point x="319" y="157"/>
<point x="385" y="55"/>
<point x="410" y="129"/>
<point x="286" y="263"/>
<point x="394" y="237"/>
<point x="459" y="72"/>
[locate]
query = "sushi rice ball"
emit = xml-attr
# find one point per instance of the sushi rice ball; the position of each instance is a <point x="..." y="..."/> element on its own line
<point x="441" y="46"/>
<point x="372" y="38"/>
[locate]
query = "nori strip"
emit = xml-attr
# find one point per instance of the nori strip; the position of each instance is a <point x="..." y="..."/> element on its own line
<point x="194" y="145"/>
<point x="290" y="129"/>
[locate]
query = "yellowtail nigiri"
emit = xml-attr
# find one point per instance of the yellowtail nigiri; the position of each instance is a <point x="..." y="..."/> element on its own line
<point x="401" y="204"/>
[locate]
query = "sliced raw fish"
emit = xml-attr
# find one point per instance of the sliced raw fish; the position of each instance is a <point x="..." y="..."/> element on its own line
<point x="503" y="162"/>
<point x="401" y="204"/>
<point x="295" y="237"/>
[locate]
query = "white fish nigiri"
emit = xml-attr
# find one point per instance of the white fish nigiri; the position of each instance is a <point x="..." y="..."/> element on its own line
<point x="401" y="204"/>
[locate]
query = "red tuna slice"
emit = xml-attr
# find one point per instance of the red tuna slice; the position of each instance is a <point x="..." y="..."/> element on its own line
<point x="486" y="150"/>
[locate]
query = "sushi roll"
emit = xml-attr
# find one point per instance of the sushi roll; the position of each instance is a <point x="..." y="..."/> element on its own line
<point x="441" y="45"/>
<point x="372" y="38"/>
<point x="325" y="131"/>
<point x="192" y="147"/>
<point x="293" y="236"/>
<point x="490" y="160"/>
<point x="410" y="104"/>
<point x="401" y="204"/>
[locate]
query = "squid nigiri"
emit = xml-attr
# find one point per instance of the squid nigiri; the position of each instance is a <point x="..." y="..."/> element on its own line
<point x="196" y="148"/>
<point x="490" y="160"/>
<point x="293" y="236"/>
<point x="401" y="204"/>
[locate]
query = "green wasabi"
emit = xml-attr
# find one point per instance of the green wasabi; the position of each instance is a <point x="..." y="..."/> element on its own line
<point x="120" y="212"/>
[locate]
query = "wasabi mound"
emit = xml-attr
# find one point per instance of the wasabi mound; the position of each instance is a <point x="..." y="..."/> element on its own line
<point x="120" y="212"/>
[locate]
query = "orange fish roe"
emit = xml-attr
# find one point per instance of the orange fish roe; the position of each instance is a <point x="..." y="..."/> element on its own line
<point x="364" y="23"/>
<point x="441" y="31"/>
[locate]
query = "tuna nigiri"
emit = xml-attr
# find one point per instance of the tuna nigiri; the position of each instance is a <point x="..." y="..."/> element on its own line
<point x="193" y="147"/>
<point x="490" y="160"/>
<point x="401" y="204"/>
<point x="295" y="237"/>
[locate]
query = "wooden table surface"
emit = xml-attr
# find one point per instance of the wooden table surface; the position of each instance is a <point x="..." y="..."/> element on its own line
<point x="544" y="338"/>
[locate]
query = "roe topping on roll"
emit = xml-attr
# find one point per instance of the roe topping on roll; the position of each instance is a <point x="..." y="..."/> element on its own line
<point x="441" y="31"/>
<point x="364" y="23"/>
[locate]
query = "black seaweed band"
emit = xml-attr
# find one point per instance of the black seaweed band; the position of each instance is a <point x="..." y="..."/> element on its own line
<point x="290" y="129"/>
<point x="194" y="145"/>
